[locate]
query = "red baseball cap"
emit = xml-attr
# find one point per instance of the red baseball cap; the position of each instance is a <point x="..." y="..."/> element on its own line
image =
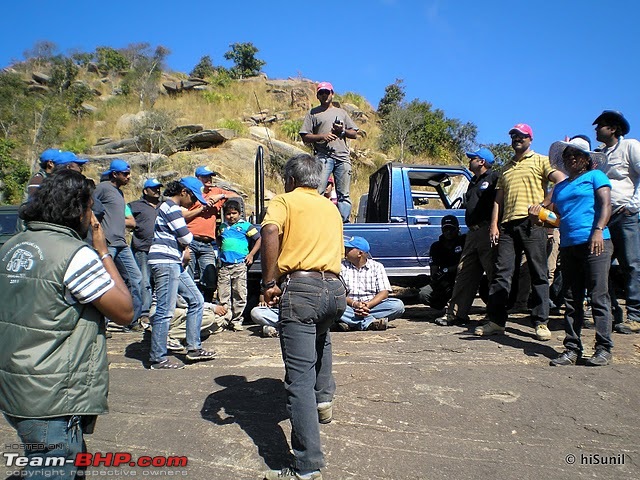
<point x="324" y="86"/>
<point x="523" y="128"/>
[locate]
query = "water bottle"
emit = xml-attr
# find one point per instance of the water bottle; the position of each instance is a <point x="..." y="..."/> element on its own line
<point x="547" y="216"/>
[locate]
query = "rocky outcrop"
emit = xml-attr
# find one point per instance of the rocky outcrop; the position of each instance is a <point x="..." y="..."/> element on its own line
<point x="41" y="78"/>
<point x="140" y="161"/>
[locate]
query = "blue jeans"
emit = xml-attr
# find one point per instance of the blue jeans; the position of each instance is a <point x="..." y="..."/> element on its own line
<point x="342" y="177"/>
<point x="265" y="316"/>
<point x="515" y="237"/>
<point x="582" y="270"/>
<point x="170" y="280"/>
<point x="391" y="308"/>
<point x="308" y="308"/>
<point x="50" y="437"/>
<point x="203" y="259"/>
<point x="130" y="273"/>
<point x="145" y="285"/>
<point x="625" y="236"/>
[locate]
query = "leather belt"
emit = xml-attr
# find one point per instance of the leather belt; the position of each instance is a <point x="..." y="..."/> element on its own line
<point x="309" y="274"/>
<point x="203" y="239"/>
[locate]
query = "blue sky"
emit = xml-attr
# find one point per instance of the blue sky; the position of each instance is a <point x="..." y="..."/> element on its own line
<point x="553" y="64"/>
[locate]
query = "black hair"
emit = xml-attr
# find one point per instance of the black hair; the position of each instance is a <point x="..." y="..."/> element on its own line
<point x="63" y="198"/>
<point x="174" y="188"/>
<point x="232" y="205"/>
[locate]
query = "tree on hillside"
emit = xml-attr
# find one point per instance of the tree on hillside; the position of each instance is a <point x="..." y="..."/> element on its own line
<point x="41" y="53"/>
<point x="502" y="151"/>
<point x="144" y="75"/>
<point x="246" y="63"/>
<point x="399" y="123"/>
<point x="111" y="60"/>
<point x="393" y="97"/>
<point x="204" y="68"/>
<point x="13" y="100"/>
<point x="14" y="174"/>
<point x="155" y="132"/>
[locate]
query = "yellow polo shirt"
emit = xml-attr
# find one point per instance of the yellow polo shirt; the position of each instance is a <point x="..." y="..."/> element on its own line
<point x="311" y="231"/>
<point x="524" y="183"/>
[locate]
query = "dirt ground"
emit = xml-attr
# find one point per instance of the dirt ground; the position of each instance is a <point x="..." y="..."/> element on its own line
<point x="417" y="401"/>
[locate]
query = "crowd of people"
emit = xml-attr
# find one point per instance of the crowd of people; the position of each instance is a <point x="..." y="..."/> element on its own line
<point x="184" y="273"/>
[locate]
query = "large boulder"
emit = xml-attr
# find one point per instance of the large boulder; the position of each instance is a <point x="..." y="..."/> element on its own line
<point x="41" y="78"/>
<point x="126" y="145"/>
<point x="140" y="161"/>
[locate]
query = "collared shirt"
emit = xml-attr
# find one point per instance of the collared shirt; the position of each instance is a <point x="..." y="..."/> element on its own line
<point x="623" y="169"/>
<point x="311" y="230"/>
<point x="204" y="225"/>
<point x="366" y="282"/>
<point x="235" y="241"/>
<point x="170" y="235"/>
<point x="524" y="183"/>
<point x="479" y="198"/>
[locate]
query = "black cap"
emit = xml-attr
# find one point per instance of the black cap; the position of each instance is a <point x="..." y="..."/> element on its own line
<point x="614" y="117"/>
<point x="449" y="221"/>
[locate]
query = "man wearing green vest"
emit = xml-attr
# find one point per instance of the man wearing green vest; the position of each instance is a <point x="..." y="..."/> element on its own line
<point x="55" y="290"/>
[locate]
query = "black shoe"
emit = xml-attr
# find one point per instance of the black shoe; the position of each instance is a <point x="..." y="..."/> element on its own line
<point x="568" y="357"/>
<point x="601" y="358"/>
<point x="135" y="328"/>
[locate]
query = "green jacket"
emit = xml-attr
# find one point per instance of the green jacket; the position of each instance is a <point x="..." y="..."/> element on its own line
<point x="53" y="357"/>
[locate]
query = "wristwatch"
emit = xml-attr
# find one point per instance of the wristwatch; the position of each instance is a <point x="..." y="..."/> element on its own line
<point x="268" y="285"/>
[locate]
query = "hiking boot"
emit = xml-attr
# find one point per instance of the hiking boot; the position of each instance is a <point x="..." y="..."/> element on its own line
<point x="174" y="345"/>
<point x="601" y="358"/>
<point x="342" y="327"/>
<point x="543" y="333"/>
<point x="200" y="354"/>
<point x="631" y="326"/>
<point x="325" y="412"/>
<point x="135" y="327"/>
<point x="489" y="328"/>
<point x="446" y="321"/>
<point x="568" y="357"/>
<point x="291" y="474"/>
<point x="269" y="332"/>
<point x="236" y="326"/>
<point x="379" y="324"/>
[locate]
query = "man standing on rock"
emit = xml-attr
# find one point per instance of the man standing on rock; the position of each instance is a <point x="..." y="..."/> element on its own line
<point x="524" y="182"/>
<point x="201" y="222"/>
<point x="623" y="169"/>
<point x="111" y="197"/>
<point x="327" y="128"/>
<point x="301" y="257"/>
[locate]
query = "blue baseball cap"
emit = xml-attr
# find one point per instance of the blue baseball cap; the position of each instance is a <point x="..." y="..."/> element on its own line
<point x="151" y="183"/>
<point x="204" y="171"/>
<point x="64" y="158"/>
<point x="195" y="186"/>
<point x="50" y="154"/>
<point x="357" y="242"/>
<point x="483" y="153"/>
<point x="117" y="165"/>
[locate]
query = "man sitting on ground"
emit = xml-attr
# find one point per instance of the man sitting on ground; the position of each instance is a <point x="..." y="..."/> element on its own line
<point x="368" y="305"/>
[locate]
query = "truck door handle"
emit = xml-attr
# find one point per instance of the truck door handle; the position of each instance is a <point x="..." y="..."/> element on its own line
<point x="423" y="220"/>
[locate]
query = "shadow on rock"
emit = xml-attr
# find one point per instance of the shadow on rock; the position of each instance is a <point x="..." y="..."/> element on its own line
<point x="257" y="407"/>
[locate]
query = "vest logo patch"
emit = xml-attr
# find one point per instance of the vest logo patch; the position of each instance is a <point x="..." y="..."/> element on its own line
<point x="21" y="259"/>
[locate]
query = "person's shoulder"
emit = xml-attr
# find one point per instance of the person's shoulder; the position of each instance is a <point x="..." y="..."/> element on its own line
<point x="317" y="110"/>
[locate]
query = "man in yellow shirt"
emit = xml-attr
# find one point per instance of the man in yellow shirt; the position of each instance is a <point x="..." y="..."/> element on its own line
<point x="301" y="255"/>
<point x="523" y="182"/>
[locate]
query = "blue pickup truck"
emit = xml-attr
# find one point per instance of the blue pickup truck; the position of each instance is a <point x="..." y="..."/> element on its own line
<point x="401" y="214"/>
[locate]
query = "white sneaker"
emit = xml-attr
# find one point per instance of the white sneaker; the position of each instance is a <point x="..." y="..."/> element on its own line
<point x="543" y="333"/>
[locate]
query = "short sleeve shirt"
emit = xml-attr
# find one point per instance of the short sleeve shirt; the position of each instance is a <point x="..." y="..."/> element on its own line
<point x="86" y="279"/>
<point x="112" y="200"/>
<point x="321" y="121"/>
<point x="524" y="183"/>
<point x="144" y="214"/>
<point x="575" y="202"/>
<point x="235" y="241"/>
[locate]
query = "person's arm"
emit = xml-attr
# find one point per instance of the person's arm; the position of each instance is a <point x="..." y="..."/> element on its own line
<point x="116" y="304"/>
<point x="318" y="137"/>
<point x="256" y="247"/>
<point x="496" y="214"/>
<point x="556" y="177"/>
<point x="269" y="250"/>
<point x="380" y="296"/>
<point x="603" y="203"/>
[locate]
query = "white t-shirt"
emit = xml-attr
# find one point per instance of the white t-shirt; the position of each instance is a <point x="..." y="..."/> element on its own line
<point x="86" y="278"/>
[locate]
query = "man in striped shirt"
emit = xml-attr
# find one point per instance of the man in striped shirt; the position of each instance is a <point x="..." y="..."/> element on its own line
<point x="368" y="305"/>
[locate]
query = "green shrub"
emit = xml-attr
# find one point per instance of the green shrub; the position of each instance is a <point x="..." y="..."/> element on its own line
<point x="14" y="173"/>
<point x="291" y="129"/>
<point x="354" y="98"/>
<point x="220" y="78"/>
<point x="77" y="143"/>
<point x="216" y="97"/>
<point x="236" y="125"/>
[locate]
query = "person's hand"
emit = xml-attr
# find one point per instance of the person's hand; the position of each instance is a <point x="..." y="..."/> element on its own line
<point x="186" y="257"/>
<point x="97" y="236"/>
<point x="494" y="235"/>
<point x="248" y="260"/>
<point x="272" y="296"/>
<point x="360" y="308"/>
<point x="534" y="210"/>
<point x="329" y="137"/>
<point x="596" y="243"/>
<point x="220" y="310"/>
